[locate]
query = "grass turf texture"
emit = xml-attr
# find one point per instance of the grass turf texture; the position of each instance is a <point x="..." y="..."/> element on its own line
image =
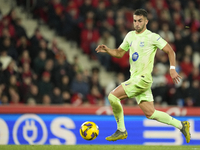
<point x="95" y="147"/>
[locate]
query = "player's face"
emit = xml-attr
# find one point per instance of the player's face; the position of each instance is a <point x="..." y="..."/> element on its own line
<point x="139" y="23"/>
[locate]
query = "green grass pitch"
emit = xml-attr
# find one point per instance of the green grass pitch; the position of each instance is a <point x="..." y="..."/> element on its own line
<point x="95" y="147"/>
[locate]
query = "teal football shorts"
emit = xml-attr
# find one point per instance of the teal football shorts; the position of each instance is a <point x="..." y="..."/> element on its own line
<point x="139" y="88"/>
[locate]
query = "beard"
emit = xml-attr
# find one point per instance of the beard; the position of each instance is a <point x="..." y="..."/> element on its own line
<point x="140" y="29"/>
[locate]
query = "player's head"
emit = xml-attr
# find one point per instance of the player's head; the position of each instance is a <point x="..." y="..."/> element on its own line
<point x="140" y="20"/>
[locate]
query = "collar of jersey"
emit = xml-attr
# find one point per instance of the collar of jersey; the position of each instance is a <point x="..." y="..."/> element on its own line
<point x="141" y="33"/>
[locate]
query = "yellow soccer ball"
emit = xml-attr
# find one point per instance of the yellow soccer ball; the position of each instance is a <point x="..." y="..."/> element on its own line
<point x="89" y="130"/>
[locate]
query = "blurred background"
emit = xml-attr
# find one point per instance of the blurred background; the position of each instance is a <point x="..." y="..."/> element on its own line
<point x="47" y="50"/>
<point x="48" y="58"/>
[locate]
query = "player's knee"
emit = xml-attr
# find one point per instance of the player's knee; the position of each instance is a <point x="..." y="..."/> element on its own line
<point x="149" y="115"/>
<point x="112" y="99"/>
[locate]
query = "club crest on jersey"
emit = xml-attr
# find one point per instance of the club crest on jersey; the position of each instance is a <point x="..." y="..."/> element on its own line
<point x="135" y="56"/>
<point x="141" y="44"/>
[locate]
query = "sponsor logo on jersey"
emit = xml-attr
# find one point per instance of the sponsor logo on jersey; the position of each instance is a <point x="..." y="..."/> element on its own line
<point x="141" y="44"/>
<point x="135" y="56"/>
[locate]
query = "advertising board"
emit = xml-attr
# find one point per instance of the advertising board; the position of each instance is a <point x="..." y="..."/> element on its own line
<point x="58" y="129"/>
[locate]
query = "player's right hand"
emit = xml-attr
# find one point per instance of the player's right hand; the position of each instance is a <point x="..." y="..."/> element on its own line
<point x="101" y="48"/>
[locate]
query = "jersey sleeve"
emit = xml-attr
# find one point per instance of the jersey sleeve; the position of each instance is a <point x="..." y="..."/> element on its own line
<point x="158" y="41"/>
<point x="125" y="45"/>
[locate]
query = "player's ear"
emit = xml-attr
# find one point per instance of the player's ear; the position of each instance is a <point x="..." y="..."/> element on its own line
<point x="147" y="21"/>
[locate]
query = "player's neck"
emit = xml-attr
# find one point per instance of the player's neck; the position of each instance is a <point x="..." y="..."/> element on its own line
<point x="141" y="31"/>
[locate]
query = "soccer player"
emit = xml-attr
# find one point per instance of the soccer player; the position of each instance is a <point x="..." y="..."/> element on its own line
<point x="142" y="45"/>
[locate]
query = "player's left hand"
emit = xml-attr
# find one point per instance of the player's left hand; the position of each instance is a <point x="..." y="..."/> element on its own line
<point x="175" y="76"/>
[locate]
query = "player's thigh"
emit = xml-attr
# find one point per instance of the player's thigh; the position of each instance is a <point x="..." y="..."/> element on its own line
<point x="147" y="107"/>
<point x="119" y="92"/>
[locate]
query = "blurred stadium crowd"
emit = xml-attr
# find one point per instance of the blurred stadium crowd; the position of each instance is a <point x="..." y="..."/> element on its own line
<point x="32" y="73"/>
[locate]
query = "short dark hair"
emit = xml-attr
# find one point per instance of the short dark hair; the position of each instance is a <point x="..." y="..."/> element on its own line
<point x="140" y="12"/>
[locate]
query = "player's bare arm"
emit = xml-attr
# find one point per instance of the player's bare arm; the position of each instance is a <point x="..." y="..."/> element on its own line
<point x="174" y="75"/>
<point x="113" y="52"/>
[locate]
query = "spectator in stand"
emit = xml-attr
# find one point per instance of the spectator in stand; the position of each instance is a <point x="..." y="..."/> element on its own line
<point x="100" y="12"/>
<point x="158" y="75"/>
<point x="31" y="102"/>
<point x="49" y="67"/>
<point x="89" y="37"/>
<point x="54" y="47"/>
<point x="12" y="16"/>
<point x="194" y="41"/>
<point x="44" y="85"/>
<point x="181" y="94"/>
<point x="76" y="64"/>
<point x="19" y="29"/>
<point x="62" y="67"/>
<point x="24" y="87"/>
<point x="56" y="96"/>
<point x="166" y="34"/>
<point x="110" y="17"/>
<point x="109" y="40"/>
<point x="12" y="69"/>
<point x="5" y="59"/>
<point x="33" y="93"/>
<point x="179" y="44"/>
<point x="14" y="97"/>
<point x="129" y="18"/>
<point x="26" y="70"/>
<point x="192" y="16"/>
<point x="46" y="100"/>
<point x="178" y="22"/>
<point x="5" y="34"/>
<point x="25" y="58"/>
<point x="152" y="15"/>
<point x="186" y="65"/>
<point x="6" y="24"/>
<point x="188" y="51"/>
<point x="22" y="45"/>
<point x="66" y="96"/>
<point x="159" y="5"/>
<point x="85" y="7"/>
<point x="40" y="10"/>
<point x="86" y="75"/>
<point x="195" y="44"/>
<point x="4" y="99"/>
<point x="55" y="12"/>
<point x="110" y="86"/>
<point x="70" y="26"/>
<point x="153" y="26"/>
<point x="95" y="97"/>
<point x="159" y="86"/>
<point x="43" y="47"/>
<point x="95" y="81"/>
<point x="64" y="84"/>
<point x="61" y="55"/>
<point x="194" y="92"/>
<point x="35" y="39"/>
<point x="14" y="83"/>
<point x="39" y="62"/>
<point x="79" y="87"/>
<point x="176" y="7"/>
<point x="9" y="47"/>
<point x="194" y="75"/>
<point x="115" y="5"/>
